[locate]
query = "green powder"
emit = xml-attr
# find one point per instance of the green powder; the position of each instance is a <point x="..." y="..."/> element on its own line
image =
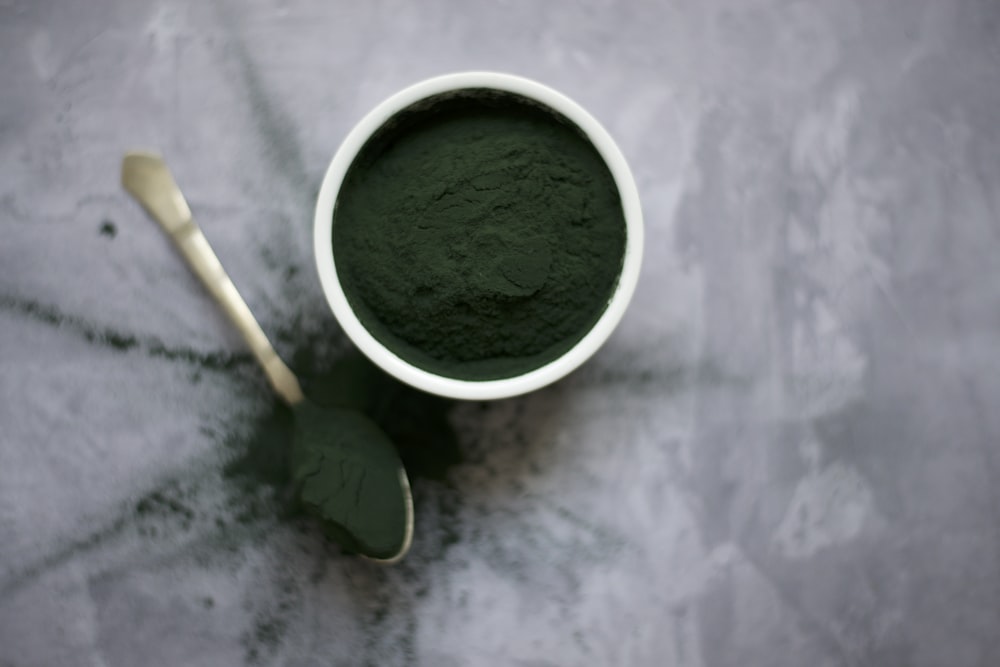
<point x="348" y="473"/>
<point x="478" y="235"/>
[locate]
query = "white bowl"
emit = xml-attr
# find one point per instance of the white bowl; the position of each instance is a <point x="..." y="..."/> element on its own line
<point x="478" y="389"/>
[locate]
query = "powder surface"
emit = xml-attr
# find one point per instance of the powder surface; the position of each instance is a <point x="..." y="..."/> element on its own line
<point x="478" y="236"/>
<point x="348" y="474"/>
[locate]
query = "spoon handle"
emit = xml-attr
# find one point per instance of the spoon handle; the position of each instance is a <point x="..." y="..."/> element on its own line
<point x="146" y="177"/>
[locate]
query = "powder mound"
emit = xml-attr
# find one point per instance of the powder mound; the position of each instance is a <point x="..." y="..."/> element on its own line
<point x="479" y="236"/>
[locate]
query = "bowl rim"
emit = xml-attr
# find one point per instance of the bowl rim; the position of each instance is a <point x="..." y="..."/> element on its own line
<point x="425" y="380"/>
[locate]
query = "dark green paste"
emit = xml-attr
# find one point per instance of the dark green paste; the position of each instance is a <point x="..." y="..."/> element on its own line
<point x="478" y="235"/>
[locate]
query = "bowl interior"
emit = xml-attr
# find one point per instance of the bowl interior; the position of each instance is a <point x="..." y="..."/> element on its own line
<point x="413" y="98"/>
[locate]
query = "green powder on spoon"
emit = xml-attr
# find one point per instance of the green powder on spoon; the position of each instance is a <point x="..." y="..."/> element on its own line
<point x="347" y="472"/>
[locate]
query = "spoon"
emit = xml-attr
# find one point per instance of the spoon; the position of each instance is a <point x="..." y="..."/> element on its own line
<point x="348" y="471"/>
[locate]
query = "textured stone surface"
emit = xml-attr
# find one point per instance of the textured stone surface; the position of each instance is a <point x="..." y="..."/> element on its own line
<point x="789" y="453"/>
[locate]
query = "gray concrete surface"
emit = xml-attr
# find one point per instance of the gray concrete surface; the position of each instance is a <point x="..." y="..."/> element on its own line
<point x="787" y="455"/>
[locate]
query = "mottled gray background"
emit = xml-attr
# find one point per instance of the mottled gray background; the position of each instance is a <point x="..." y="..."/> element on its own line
<point x="787" y="454"/>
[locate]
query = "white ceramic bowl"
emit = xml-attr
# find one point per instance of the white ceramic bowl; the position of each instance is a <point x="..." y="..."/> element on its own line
<point x="482" y="389"/>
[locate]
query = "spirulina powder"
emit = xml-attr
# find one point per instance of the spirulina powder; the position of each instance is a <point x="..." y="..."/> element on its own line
<point x="478" y="235"/>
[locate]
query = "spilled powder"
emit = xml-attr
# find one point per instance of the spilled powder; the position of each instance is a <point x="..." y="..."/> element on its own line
<point x="215" y="514"/>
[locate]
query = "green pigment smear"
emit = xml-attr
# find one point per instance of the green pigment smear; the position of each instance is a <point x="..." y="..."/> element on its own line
<point x="478" y="236"/>
<point x="119" y="340"/>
